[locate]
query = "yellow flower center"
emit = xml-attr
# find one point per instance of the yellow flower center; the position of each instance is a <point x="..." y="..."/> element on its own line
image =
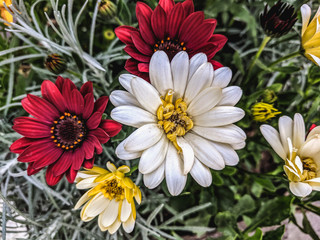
<point x="309" y="169"/>
<point x="173" y="118"/>
<point x="111" y="189"/>
<point x="263" y="111"/>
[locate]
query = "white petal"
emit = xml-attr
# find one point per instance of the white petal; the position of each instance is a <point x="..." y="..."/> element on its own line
<point x="205" y="151"/>
<point x="226" y="134"/>
<point x="143" y="138"/>
<point x="125" y="81"/>
<point x="180" y="70"/>
<point x="152" y="180"/>
<point x="299" y="131"/>
<point x="128" y="226"/>
<point x="110" y="214"/>
<point x="146" y="95"/>
<point x="125" y="210"/>
<point x="124" y="154"/>
<point x="111" y="167"/>
<point x="315" y="58"/>
<point x="205" y="101"/>
<point x="195" y="62"/>
<point x="230" y="96"/>
<point x="160" y="72"/>
<point x="97" y="205"/>
<point x="219" y="116"/>
<point x="132" y="116"/>
<point x="273" y="138"/>
<point x="187" y="154"/>
<point x="201" y="174"/>
<point x="305" y="14"/>
<point x="152" y="157"/>
<point x="86" y="183"/>
<point x="285" y="130"/>
<point x="102" y="228"/>
<point x="114" y="227"/>
<point x="289" y="170"/>
<point x="311" y="148"/>
<point x="299" y="164"/>
<point x="222" y="77"/>
<point x="119" y="98"/>
<point x="200" y="80"/>
<point x="229" y="155"/>
<point x="238" y="146"/>
<point x="314" y="180"/>
<point x="314" y="133"/>
<point x="175" y="178"/>
<point x="84" y="198"/>
<point x="300" y="189"/>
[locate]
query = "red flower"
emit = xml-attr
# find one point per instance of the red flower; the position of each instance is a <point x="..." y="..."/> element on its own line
<point x="172" y="28"/>
<point x="66" y="130"/>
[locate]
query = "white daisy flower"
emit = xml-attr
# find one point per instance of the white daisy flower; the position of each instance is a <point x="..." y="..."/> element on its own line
<point x="184" y="118"/>
<point x="302" y="156"/>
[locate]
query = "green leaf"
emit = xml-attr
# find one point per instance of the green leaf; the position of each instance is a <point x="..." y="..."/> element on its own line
<point x="308" y="228"/>
<point x="287" y="69"/>
<point x="238" y="62"/>
<point x="226" y="223"/>
<point x="246" y="204"/>
<point x="257" y="235"/>
<point x="217" y="179"/>
<point x="229" y="171"/>
<point x="266" y="183"/>
<point x="256" y="189"/>
<point x="275" y="234"/>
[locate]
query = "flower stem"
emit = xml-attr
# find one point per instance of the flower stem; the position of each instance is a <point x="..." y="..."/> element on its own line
<point x="119" y="21"/>
<point x="291" y="55"/>
<point x="256" y="57"/>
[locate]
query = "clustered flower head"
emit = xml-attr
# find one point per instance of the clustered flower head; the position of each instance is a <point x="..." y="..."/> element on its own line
<point x="278" y="20"/>
<point x="171" y="28"/>
<point x="262" y="111"/>
<point x="65" y="132"/>
<point x="184" y="118"/>
<point x="110" y="196"/>
<point x="300" y="153"/>
<point x="55" y="63"/>
<point x="310" y="38"/>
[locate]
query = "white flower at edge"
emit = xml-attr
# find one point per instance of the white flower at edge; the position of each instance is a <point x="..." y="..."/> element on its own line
<point x="184" y="118"/>
<point x="302" y="156"/>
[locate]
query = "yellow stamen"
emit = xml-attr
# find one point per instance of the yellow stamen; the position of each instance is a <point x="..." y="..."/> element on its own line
<point x="263" y="111"/>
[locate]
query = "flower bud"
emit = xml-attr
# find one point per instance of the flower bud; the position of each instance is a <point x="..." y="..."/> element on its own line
<point x="55" y="63"/>
<point x="269" y="96"/>
<point x="107" y="8"/>
<point x="278" y="20"/>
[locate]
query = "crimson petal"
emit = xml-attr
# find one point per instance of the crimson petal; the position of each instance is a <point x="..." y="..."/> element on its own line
<point x="49" y="156"/>
<point x="218" y="39"/>
<point x="144" y="13"/>
<point x="132" y="51"/>
<point x="40" y="108"/>
<point x="202" y="34"/>
<point x="216" y="65"/>
<point x="132" y="67"/>
<point x="62" y="165"/>
<point x="71" y="175"/>
<point x="31" y="127"/>
<point x="124" y="33"/>
<point x="140" y="44"/>
<point x="51" y="93"/>
<point x="111" y="127"/>
<point x="88" y="106"/>
<point x="31" y="170"/>
<point x="88" y="163"/>
<point x="188" y="7"/>
<point x="78" y="157"/>
<point x="94" y="140"/>
<point x="158" y="21"/>
<point x="102" y="136"/>
<point x="101" y="104"/>
<point x="190" y="26"/>
<point x="21" y="144"/>
<point x="143" y="67"/>
<point x="175" y="19"/>
<point x="88" y="148"/>
<point x="39" y="151"/>
<point x="76" y="103"/>
<point x="86" y="88"/>
<point x="51" y="178"/>
<point x="94" y="121"/>
<point x="167" y="5"/>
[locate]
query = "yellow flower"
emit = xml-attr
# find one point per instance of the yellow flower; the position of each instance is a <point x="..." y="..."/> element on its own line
<point x="310" y="34"/>
<point x="110" y="196"/>
<point x="5" y="14"/>
<point x="263" y="111"/>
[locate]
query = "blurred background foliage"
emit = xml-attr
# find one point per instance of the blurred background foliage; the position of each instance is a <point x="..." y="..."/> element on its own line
<point x="242" y="200"/>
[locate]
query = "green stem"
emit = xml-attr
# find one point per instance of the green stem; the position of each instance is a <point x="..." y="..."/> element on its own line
<point x="119" y="21"/>
<point x="133" y="169"/>
<point x="256" y="57"/>
<point x="291" y="55"/>
<point x="74" y="73"/>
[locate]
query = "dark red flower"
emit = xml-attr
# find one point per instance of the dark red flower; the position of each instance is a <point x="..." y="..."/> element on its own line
<point x="172" y="28"/>
<point x="66" y="131"/>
